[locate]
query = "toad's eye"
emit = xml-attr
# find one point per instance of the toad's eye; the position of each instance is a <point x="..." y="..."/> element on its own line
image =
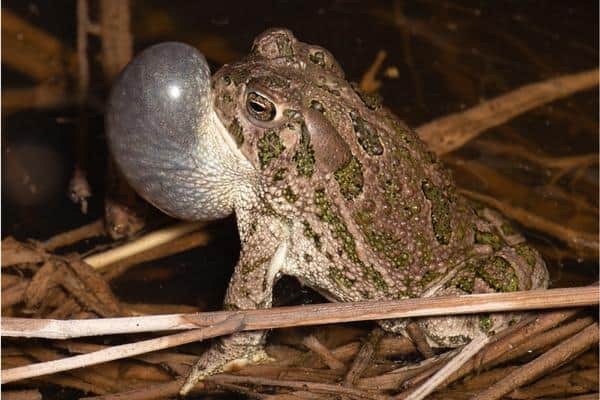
<point x="259" y="107"/>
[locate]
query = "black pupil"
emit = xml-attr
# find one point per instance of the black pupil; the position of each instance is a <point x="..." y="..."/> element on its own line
<point x="259" y="108"/>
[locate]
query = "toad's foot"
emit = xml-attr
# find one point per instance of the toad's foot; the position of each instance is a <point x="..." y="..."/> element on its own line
<point x="229" y="355"/>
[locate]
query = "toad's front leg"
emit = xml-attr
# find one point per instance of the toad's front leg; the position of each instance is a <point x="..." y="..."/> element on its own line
<point x="251" y="287"/>
<point x="171" y="146"/>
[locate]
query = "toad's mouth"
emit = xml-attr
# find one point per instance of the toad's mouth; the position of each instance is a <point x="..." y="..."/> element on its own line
<point x="166" y="138"/>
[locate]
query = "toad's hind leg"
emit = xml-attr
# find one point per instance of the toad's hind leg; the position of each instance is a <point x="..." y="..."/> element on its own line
<point x="503" y="263"/>
<point x="503" y="271"/>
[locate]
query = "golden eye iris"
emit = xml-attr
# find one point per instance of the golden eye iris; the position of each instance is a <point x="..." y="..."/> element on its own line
<point x="260" y="107"/>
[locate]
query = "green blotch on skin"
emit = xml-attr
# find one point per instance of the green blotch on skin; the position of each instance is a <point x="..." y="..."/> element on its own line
<point x="365" y="295"/>
<point x="340" y="232"/>
<point x="409" y="284"/>
<point x="489" y="238"/>
<point x="227" y="98"/>
<point x="337" y="276"/>
<point x="527" y="253"/>
<point x="327" y="214"/>
<point x="391" y="192"/>
<point x="499" y="274"/>
<point x="367" y="135"/>
<point x="383" y="242"/>
<point x="252" y="227"/>
<point x="289" y="194"/>
<point x="305" y="154"/>
<point x="235" y="129"/>
<point x="464" y="283"/>
<point x="495" y="271"/>
<point x="478" y="208"/>
<point x="429" y="277"/>
<point x="431" y="157"/>
<point x="403" y="132"/>
<point x="402" y="260"/>
<point x="268" y="209"/>
<point x="423" y="246"/>
<point x="402" y="153"/>
<point x="371" y="100"/>
<point x="350" y="179"/>
<point x="269" y="148"/>
<point x="284" y="46"/>
<point x="291" y="114"/>
<point x="364" y="217"/>
<point x="409" y="211"/>
<point x="440" y="212"/>
<point x="390" y="247"/>
<point x="373" y="276"/>
<point x="460" y="233"/>
<point x="239" y="76"/>
<point x="247" y="268"/>
<point x="329" y="90"/>
<point x="311" y="234"/>
<point x="426" y="257"/>
<point x="465" y="278"/>
<point x="275" y="82"/>
<point x="485" y="323"/>
<point x="318" y="57"/>
<point x="279" y="175"/>
<point x="507" y="229"/>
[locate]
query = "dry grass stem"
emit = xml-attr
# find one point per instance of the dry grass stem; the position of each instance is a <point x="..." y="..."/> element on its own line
<point x="68" y="238"/>
<point x="15" y="253"/>
<point x="561" y="163"/>
<point x="446" y="134"/>
<point x="172" y="388"/>
<point x="511" y="338"/>
<point x="398" y="377"/>
<point x="369" y="82"/>
<point x="544" y="363"/>
<point x="544" y="339"/>
<point x="37" y="54"/>
<point x="454" y="364"/>
<point x="306" y="315"/>
<point x="364" y="357"/>
<point x="157" y="391"/>
<point x="178" y="245"/>
<point x="142" y="244"/>
<point x="117" y="41"/>
<point x="42" y="96"/>
<point x="568" y="383"/>
<point x="228" y="326"/>
<point x="323" y="352"/>
<point x="306" y="385"/>
<point x="418" y="337"/>
<point x="33" y="394"/>
<point x="14" y="294"/>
